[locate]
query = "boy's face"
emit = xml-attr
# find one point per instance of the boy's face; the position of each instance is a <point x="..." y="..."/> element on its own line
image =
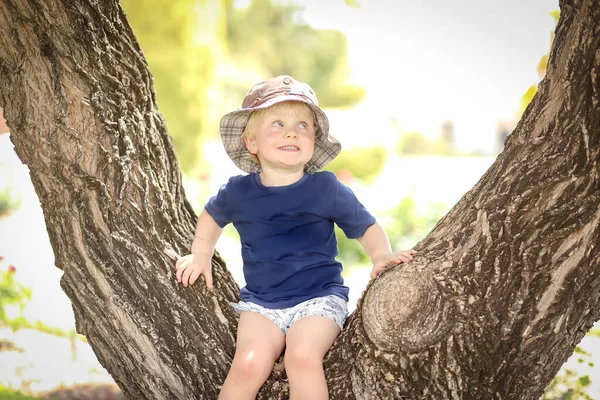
<point x="284" y="139"/>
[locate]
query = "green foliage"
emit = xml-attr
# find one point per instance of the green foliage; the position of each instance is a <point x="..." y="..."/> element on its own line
<point x="182" y="65"/>
<point x="8" y="203"/>
<point x="413" y="143"/>
<point x="14" y="293"/>
<point x="10" y="394"/>
<point x="405" y="226"/>
<point x="364" y="163"/>
<point x="417" y="144"/>
<point x="11" y="292"/>
<point x="352" y="3"/>
<point x="22" y="323"/>
<point x="350" y="251"/>
<point x="567" y="385"/>
<point x="270" y="38"/>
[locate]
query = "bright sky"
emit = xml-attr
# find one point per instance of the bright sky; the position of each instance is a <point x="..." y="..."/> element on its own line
<point x="425" y="62"/>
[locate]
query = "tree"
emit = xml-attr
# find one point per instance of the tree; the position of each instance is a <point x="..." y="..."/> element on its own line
<point x="503" y="289"/>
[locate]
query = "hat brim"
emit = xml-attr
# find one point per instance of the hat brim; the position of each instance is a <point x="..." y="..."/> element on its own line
<point x="233" y="124"/>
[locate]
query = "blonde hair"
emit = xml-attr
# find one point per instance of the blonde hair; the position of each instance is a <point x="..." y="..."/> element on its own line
<point x="285" y="107"/>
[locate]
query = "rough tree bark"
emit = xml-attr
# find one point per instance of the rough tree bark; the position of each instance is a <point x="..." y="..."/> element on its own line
<point x="503" y="288"/>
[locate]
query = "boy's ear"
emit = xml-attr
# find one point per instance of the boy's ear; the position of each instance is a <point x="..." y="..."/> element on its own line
<point x="250" y="144"/>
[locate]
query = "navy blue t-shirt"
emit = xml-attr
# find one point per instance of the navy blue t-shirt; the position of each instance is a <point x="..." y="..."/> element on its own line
<point x="288" y="242"/>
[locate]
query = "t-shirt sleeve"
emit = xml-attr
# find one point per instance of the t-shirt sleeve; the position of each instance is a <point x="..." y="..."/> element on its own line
<point x="221" y="206"/>
<point x="349" y="214"/>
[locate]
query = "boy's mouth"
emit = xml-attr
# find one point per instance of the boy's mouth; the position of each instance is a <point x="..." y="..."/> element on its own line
<point x="289" y="148"/>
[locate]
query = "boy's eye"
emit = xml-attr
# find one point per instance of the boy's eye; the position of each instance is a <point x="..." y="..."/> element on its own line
<point x="278" y="123"/>
<point x="303" y="125"/>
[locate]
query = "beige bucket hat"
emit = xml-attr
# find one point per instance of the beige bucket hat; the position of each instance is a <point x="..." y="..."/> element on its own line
<point x="263" y="95"/>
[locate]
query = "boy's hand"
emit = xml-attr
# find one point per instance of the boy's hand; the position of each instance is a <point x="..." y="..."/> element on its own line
<point x="190" y="267"/>
<point x="382" y="261"/>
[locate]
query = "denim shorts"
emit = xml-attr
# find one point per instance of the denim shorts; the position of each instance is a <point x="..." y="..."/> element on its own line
<point x="331" y="306"/>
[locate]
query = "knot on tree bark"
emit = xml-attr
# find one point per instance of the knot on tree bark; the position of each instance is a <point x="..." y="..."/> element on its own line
<point x="405" y="311"/>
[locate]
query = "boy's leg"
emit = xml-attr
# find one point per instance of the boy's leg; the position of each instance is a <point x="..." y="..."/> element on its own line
<point x="307" y="341"/>
<point x="259" y="343"/>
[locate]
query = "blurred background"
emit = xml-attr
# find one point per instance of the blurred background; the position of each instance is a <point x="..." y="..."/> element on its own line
<point x="422" y="95"/>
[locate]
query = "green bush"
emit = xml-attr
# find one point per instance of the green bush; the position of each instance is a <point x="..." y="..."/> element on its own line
<point x="417" y="144"/>
<point x="364" y="163"/>
<point x="404" y="225"/>
<point x="8" y="203"/>
<point x="9" y="394"/>
<point x="11" y="292"/>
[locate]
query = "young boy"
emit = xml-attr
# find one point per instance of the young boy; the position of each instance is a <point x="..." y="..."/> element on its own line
<point x="284" y="211"/>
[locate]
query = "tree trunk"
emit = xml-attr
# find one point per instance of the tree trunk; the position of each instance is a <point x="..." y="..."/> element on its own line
<point x="502" y="290"/>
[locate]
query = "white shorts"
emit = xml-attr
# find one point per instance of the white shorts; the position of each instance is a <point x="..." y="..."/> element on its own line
<point x="331" y="306"/>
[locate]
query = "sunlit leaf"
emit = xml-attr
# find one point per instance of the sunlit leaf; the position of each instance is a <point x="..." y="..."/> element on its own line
<point x="527" y="97"/>
<point x="556" y="15"/>
<point x="584" y="380"/>
<point x="594" y="332"/>
<point x="352" y="3"/>
<point x="542" y="66"/>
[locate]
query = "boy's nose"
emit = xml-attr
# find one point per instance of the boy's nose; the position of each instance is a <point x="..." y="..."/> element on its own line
<point x="291" y="133"/>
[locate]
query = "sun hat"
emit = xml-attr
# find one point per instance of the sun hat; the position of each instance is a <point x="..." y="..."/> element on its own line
<point x="265" y="94"/>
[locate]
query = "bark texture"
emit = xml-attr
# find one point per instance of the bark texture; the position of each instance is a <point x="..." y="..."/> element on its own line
<point x="79" y="101"/>
<point x="503" y="288"/>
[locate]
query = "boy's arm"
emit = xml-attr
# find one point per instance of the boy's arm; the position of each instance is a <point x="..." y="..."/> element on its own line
<point x="198" y="262"/>
<point x="376" y="244"/>
<point x="375" y="241"/>
<point x="207" y="234"/>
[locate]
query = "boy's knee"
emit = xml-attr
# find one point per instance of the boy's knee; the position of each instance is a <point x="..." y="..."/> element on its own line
<point x="302" y="358"/>
<point x="252" y="367"/>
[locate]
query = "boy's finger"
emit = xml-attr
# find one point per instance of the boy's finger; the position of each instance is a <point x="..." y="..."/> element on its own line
<point x="193" y="277"/>
<point x="374" y="273"/>
<point x="185" y="278"/>
<point x="179" y="272"/>
<point x="209" y="279"/>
